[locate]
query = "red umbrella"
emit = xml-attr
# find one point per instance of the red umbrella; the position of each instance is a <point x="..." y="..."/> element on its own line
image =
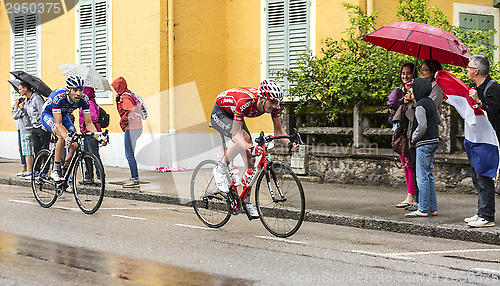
<point x="422" y="41"/>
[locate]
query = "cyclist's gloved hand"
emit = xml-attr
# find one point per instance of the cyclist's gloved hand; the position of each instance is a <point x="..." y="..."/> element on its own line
<point x="292" y="146"/>
<point x="257" y="151"/>
<point x="102" y="140"/>
<point x="67" y="142"/>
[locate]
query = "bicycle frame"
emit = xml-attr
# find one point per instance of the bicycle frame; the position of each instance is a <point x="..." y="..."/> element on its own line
<point x="262" y="165"/>
<point x="78" y="153"/>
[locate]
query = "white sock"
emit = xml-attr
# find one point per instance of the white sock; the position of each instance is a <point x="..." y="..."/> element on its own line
<point x="222" y="167"/>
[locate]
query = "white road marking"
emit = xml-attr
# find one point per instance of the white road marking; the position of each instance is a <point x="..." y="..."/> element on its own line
<point x="197" y="227"/>
<point x="23" y="202"/>
<point x="281" y="239"/>
<point x="131" y="208"/>
<point x="129" y="217"/>
<point x="384" y="255"/>
<point x="487" y="271"/>
<point x="404" y="255"/>
<point x="54" y="207"/>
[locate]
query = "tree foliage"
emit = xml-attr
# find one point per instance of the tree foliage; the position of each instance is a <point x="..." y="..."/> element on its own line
<point x="350" y="71"/>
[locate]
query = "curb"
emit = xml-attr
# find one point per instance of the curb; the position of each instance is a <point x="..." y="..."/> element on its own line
<point x="438" y="231"/>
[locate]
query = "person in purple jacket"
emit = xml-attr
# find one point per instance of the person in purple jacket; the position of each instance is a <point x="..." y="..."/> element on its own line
<point x="91" y="143"/>
<point x="394" y="103"/>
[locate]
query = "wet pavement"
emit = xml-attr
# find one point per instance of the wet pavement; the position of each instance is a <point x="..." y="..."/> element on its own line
<point x="369" y="207"/>
<point x="115" y="266"/>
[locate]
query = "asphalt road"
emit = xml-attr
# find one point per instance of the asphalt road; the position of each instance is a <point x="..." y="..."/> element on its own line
<point x="141" y="243"/>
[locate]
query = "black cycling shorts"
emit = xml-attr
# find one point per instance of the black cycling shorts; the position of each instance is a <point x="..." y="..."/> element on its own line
<point x="223" y="122"/>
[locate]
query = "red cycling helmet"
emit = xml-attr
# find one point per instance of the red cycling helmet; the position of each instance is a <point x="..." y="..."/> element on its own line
<point x="271" y="90"/>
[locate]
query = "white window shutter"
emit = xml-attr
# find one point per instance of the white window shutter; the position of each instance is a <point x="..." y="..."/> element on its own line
<point x="25" y="43"/>
<point x="93" y="48"/>
<point x="25" y="29"/>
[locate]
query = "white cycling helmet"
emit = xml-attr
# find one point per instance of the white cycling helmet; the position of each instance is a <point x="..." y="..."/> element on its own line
<point x="271" y="90"/>
<point x="74" y="81"/>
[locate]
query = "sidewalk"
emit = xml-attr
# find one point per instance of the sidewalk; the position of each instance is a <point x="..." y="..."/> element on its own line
<point x="368" y="207"/>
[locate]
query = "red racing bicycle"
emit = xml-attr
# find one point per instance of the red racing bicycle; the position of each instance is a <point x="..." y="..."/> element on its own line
<point x="279" y="195"/>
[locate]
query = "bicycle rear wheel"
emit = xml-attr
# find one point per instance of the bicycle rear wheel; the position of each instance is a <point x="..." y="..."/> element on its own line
<point x="209" y="205"/>
<point x="88" y="183"/>
<point x="42" y="185"/>
<point x="283" y="215"/>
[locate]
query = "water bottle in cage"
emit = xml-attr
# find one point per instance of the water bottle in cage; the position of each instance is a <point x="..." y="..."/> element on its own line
<point x="235" y="172"/>
<point x="247" y="177"/>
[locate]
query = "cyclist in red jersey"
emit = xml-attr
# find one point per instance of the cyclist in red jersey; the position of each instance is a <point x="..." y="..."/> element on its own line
<point x="227" y="117"/>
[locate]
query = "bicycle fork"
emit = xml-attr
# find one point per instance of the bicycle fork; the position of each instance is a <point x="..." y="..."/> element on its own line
<point x="270" y="187"/>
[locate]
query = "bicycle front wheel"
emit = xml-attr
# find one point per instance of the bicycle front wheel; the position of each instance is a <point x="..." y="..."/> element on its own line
<point x="88" y="183"/>
<point x="280" y="200"/>
<point x="42" y="185"/>
<point x="209" y="205"/>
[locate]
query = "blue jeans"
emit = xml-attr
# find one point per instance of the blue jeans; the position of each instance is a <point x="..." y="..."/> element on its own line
<point x="130" y="138"/>
<point x="425" y="180"/>
<point x="485" y="188"/>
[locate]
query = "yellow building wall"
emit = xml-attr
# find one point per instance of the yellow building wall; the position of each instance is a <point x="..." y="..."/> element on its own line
<point x="6" y="121"/>
<point x="244" y="52"/>
<point x="331" y="20"/>
<point x="138" y="38"/>
<point x="217" y="46"/>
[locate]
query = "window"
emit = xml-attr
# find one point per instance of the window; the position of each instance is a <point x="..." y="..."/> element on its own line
<point x="471" y="21"/>
<point x="479" y="17"/>
<point x="25" y="39"/>
<point x="93" y="48"/>
<point x="287" y="28"/>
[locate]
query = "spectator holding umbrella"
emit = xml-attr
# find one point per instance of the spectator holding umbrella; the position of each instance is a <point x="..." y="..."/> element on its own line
<point x="400" y="120"/>
<point x="19" y="113"/>
<point x="15" y="85"/>
<point x="34" y="107"/>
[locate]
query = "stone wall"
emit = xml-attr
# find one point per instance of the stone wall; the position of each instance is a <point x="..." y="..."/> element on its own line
<point x="362" y="167"/>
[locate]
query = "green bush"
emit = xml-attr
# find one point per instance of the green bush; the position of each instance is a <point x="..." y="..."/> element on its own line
<point x="351" y="71"/>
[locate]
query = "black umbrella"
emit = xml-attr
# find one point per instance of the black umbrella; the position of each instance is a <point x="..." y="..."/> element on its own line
<point x="34" y="81"/>
<point x="15" y="84"/>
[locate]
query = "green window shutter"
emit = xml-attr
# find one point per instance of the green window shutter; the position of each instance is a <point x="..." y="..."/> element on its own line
<point x="93" y="48"/>
<point x="470" y="21"/>
<point x="298" y="30"/>
<point x="287" y="34"/>
<point x="277" y="52"/>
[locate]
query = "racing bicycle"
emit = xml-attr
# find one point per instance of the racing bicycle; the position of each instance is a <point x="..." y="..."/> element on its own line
<point x="85" y="176"/>
<point x="279" y="195"/>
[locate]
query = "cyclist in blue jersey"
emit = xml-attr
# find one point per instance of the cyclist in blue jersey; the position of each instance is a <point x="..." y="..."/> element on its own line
<point x="55" y="117"/>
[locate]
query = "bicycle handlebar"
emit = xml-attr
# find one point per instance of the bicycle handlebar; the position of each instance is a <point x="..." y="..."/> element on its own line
<point x="75" y="135"/>
<point x="294" y="138"/>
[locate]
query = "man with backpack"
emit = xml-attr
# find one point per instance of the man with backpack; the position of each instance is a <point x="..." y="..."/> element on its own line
<point x="131" y="124"/>
<point x="486" y="93"/>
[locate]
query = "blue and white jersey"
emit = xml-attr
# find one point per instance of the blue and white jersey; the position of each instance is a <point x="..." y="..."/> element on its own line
<point x="59" y="102"/>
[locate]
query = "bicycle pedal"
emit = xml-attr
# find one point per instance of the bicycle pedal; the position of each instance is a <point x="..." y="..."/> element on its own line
<point x="250" y="217"/>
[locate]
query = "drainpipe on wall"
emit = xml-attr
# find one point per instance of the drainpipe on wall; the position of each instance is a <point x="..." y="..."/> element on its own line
<point x="171" y="99"/>
<point x="369" y="7"/>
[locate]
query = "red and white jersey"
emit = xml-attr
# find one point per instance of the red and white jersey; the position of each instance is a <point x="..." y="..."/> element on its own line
<point x="241" y="102"/>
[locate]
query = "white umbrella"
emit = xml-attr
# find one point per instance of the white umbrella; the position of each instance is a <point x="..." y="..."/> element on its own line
<point x="92" y="78"/>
